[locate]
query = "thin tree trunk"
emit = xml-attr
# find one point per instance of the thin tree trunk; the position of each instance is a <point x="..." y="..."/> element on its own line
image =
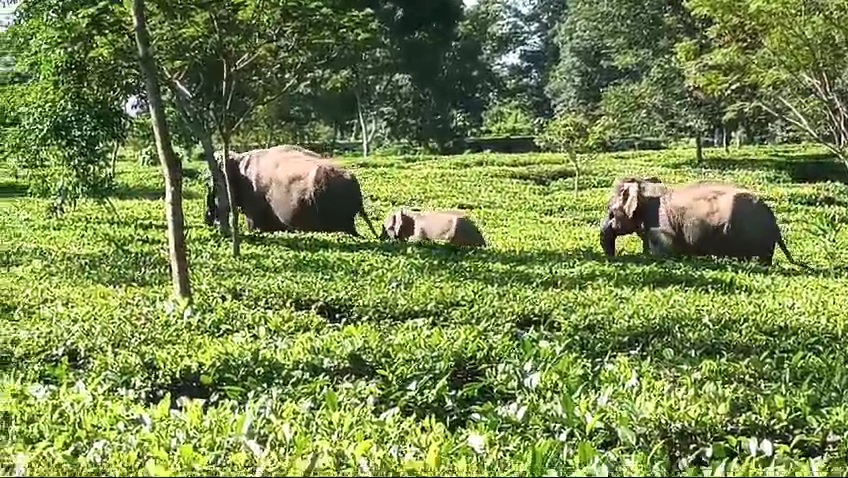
<point x="576" y="162"/>
<point x="171" y="168"/>
<point x="230" y="199"/>
<point x="268" y="139"/>
<point x="335" y="136"/>
<point x="196" y="124"/>
<point x="699" y="147"/>
<point x="219" y="184"/>
<point x="115" y="159"/>
<point x="373" y="132"/>
<point x="224" y="131"/>
<point x="362" y="126"/>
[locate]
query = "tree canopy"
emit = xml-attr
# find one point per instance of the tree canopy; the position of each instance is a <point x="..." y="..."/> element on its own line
<point x="403" y="74"/>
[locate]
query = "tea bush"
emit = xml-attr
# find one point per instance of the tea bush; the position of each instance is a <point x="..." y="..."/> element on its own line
<point x="326" y="354"/>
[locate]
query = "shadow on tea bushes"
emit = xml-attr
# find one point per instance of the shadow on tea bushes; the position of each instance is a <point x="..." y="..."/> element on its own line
<point x="500" y="267"/>
<point x="109" y="266"/>
<point x="794" y="167"/>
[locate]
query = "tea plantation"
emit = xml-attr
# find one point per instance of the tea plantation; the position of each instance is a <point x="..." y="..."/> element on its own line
<point x="327" y="354"/>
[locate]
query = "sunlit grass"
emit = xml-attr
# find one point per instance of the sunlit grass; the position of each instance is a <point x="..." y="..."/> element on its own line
<point x="350" y="356"/>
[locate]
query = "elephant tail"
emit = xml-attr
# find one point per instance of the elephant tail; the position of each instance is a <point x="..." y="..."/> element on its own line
<point x="782" y="244"/>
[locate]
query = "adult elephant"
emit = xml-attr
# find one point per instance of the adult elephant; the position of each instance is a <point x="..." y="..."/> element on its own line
<point x="698" y="219"/>
<point x="287" y="188"/>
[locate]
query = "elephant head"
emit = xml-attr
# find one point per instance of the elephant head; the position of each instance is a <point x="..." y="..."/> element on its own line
<point x="626" y="208"/>
<point x="217" y="203"/>
<point x="398" y="226"/>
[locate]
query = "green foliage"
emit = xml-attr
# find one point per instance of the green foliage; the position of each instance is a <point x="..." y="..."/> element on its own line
<point x="139" y="138"/>
<point x="508" y="119"/>
<point x="440" y="87"/>
<point x="345" y="356"/>
<point x="415" y="72"/>
<point x="585" y="66"/>
<point x="538" y="52"/>
<point x="619" y="58"/>
<point x="795" y="52"/>
<point x="225" y="60"/>
<point x="575" y="135"/>
<point x="67" y="115"/>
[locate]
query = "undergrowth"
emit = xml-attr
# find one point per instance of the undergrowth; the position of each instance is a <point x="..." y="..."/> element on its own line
<point x="326" y="354"/>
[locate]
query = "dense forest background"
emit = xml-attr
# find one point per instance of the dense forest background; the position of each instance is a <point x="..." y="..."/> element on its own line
<point x="404" y="76"/>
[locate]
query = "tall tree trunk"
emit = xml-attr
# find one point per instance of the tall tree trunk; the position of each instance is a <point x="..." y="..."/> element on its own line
<point x="269" y="138"/>
<point x="201" y="131"/>
<point x="115" y="158"/>
<point x="171" y="168"/>
<point x="699" y="147"/>
<point x="230" y="199"/>
<point x="362" y="126"/>
<point x="219" y="184"/>
<point x="335" y="136"/>
<point x="226" y="134"/>
<point x="576" y="162"/>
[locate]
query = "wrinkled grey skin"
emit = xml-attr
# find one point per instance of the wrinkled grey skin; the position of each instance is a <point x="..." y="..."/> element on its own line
<point x="413" y="225"/>
<point x="699" y="219"/>
<point x="652" y="187"/>
<point x="286" y="188"/>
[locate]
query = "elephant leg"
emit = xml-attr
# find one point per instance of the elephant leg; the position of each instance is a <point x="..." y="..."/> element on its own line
<point x="659" y="242"/>
<point x="766" y="259"/>
<point x="350" y="228"/>
<point x="646" y="242"/>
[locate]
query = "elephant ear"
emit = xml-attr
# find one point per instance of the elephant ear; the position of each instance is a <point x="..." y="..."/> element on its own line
<point x="630" y="198"/>
<point x="404" y="225"/>
<point x="390" y="224"/>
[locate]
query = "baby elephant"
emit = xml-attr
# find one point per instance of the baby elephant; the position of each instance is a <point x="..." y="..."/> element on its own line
<point x="453" y="227"/>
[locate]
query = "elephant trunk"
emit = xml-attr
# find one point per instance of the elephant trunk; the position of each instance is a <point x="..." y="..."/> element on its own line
<point x="607" y="237"/>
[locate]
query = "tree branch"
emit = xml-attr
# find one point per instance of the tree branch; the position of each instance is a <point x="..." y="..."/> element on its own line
<point x="804" y="80"/>
<point x="824" y="98"/>
<point x="247" y="58"/>
<point x="252" y="107"/>
<point x="179" y="87"/>
<point x="801" y="122"/>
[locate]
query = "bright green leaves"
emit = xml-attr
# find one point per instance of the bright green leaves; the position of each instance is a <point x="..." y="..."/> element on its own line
<point x="795" y="51"/>
<point x="68" y="116"/>
<point x="575" y="135"/>
<point x="347" y="357"/>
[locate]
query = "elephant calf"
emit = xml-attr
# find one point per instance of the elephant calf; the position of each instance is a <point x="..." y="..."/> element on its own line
<point x="453" y="227"/>
<point x="699" y="219"/>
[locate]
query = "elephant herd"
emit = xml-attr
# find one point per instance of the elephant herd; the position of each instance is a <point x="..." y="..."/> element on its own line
<point x="288" y="188"/>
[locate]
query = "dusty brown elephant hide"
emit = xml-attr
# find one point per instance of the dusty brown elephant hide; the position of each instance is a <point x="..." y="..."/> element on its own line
<point x="452" y="227"/>
<point x="698" y="219"/>
<point x="286" y="189"/>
